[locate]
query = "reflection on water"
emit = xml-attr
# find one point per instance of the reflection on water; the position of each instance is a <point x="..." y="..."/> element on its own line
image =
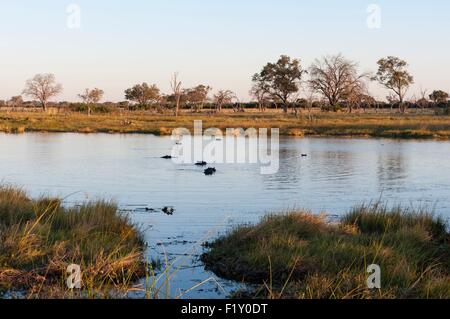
<point x="336" y="175"/>
<point x="392" y="170"/>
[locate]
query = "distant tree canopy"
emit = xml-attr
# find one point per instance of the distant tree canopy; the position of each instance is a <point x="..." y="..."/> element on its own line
<point x="42" y="87"/>
<point x="143" y="94"/>
<point x="439" y="97"/>
<point x="282" y="79"/>
<point x="393" y="74"/>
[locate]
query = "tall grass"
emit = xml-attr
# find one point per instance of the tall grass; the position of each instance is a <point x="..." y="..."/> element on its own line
<point x="40" y="238"/>
<point x="380" y="219"/>
<point x="300" y="255"/>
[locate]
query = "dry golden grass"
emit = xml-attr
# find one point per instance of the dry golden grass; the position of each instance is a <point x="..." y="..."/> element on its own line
<point x="383" y="124"/>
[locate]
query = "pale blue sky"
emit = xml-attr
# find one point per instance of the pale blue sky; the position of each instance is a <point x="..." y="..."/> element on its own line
<point x="216" y="42"/>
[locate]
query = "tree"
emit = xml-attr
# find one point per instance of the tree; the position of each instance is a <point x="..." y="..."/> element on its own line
<point x="16" y="101"/>
<point x="282" y="78"/>
<point x="356" y="96"/>
<point x="392" y="100"/>
<point x="223" y="97"/>
<point x="197" y="96"/>
<point x="90" y="97"/>
<point x="336" y="79"/>
<point x="177" y="91"/>
<point x="42" y="87"/>
<point x="143" y="94"/>
<point x="393" y="75"/>
<point x="423" y="101"/>
<point x="260" y="91"/>
<point x="439" y="97"/>
<point x="310" y="99"/>
<point x="368" y="101"/>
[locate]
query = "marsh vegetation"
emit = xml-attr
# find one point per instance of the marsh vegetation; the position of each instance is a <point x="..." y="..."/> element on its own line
<point x="301" y="255"/>
<point x="40" y="238"/>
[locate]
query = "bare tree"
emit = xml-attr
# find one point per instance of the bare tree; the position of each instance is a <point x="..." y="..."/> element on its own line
<point x="223" y="97"/>
<point x="335" y="78"/>
<point x="423" y="101"/>
<point x="177" y="91"/>
<point x="90" y="97"/>
<point x="42" y="87"/>
<point x="238" y="105"/>
<point x="260" y="91"/>
<point x="368" y="101"/>
<point x="310" y="103"/>
<point x="356" y="95"/>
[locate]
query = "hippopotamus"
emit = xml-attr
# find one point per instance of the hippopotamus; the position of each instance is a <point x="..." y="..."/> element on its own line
<point x="210" y="171"/>
<point x="168" y="210"/>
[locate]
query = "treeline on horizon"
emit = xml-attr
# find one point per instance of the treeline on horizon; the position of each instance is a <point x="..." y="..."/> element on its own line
<point x="332" y="83"/>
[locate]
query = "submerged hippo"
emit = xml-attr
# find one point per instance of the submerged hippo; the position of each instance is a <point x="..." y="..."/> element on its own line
<point x="210" y="171"/>
<point x="167" y="157"/>
<point x="202" y="163"/>
<point x="168" y="210"/>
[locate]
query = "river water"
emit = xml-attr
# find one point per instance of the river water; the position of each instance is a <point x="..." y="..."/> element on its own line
<point x="336" y="175"/>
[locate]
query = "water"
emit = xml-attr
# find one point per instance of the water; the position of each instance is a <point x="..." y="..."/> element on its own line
<point x="336" y="175"/>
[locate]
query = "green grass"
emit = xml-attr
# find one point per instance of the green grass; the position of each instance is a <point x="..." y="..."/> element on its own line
<point x="39" y="238"/>
<point x="387" y="124"/>
<point x="300" y="255"/>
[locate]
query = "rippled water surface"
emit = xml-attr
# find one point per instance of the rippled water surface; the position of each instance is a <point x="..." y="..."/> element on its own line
<point x="336" y="175"/>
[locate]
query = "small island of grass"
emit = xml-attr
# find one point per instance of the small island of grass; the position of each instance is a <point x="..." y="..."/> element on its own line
<point x="40" y="238"/>
<point x="300" y="255"/>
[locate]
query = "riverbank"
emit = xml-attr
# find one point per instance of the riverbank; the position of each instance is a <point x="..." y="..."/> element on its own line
<point x="385" y="124"/>
<point x="300" y="255"/>
<point x="39" y="239"/>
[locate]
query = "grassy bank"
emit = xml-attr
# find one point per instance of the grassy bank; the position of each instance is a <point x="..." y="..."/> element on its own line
<point x="40" y="238"/>
<point x="299" y="255"/>
<point x="385" y="124"/>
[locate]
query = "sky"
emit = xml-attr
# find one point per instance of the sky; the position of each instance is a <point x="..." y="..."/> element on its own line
<point x="221" y="43"/>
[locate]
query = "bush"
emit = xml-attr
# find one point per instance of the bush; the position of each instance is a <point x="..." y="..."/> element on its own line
<point x="442" y="109"/>
<point x="332" y="108"/>
<point x="95" y="109"/>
